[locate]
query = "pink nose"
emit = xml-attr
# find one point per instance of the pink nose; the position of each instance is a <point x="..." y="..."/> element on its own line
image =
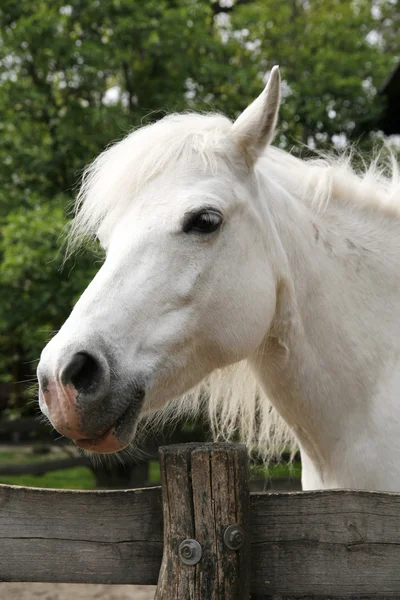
<point x="73" y="397"/>
<point x="62" y="408"/>
<point x="66" y="418"/>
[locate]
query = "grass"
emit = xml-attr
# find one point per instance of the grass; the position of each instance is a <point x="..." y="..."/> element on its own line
<point x="154" y="472"/>
<point x="82" y="478"/>
<point x="277" y="471"/>
<point x="76" y="478"/>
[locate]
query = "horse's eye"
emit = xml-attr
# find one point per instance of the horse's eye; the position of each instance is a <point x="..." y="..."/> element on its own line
<point x="205" y="221"/>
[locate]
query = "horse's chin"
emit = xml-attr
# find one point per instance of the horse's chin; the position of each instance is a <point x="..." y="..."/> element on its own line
<point x="116" y="438"/>
<point x="108" y="443"/>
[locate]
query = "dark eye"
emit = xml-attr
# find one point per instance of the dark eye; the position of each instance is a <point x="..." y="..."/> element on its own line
<point x="204" y="221"/>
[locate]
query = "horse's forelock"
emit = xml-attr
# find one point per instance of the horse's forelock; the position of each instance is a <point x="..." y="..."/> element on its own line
<point x="110" y="183"/>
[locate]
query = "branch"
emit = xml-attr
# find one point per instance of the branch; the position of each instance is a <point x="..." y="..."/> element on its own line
<point x="128" y="85"/>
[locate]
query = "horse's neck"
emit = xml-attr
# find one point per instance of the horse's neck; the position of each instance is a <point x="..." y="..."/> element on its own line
<point x="330" y="368"/>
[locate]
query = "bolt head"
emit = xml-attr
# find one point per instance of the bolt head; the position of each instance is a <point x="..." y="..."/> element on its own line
<point x="187" y="550"/>
<point x="190" y="552"/>
<point x="234" y="537"/>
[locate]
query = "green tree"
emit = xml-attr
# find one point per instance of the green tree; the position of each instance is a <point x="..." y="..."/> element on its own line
<point x="334" y="56"/>
<point x="75" y="76"/>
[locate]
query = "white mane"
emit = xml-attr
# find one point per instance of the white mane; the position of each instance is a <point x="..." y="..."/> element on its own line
<point x="235" y="401"/>
<point x="330" y="177"/>
<point x="121" y="171"/>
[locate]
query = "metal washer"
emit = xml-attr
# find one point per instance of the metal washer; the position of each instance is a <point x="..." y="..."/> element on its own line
<point x="234" y="537"/>
<point x="190" y="552"/>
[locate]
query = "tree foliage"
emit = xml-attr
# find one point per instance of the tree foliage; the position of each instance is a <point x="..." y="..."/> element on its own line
<point x="75" y="76"/>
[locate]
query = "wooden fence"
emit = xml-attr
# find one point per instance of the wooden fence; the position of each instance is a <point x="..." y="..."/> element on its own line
<point x="203" y="536"/>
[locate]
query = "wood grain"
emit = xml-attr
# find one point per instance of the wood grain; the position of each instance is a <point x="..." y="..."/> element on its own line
<point x="330" y="544"/>
<point x="80" y="537"/>
<point x="205" y="489"/>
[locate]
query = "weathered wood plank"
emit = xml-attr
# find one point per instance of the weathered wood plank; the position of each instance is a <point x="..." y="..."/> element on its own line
<point x="330" y="544"/>
<point x="205" y="490"/>
<point x="178" y="520"/>
<point x="222" y="498"/>
<point x="80" y="537"/>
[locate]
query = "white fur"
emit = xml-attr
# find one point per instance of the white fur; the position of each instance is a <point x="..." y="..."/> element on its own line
<point x="285" y="325"/>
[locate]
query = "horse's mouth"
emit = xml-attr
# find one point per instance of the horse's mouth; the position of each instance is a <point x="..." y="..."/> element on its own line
<point x="115" y="438"/>
<point x="104" y="444"/>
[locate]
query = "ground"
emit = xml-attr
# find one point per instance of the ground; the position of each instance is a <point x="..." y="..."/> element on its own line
<point x="67" y="591"/>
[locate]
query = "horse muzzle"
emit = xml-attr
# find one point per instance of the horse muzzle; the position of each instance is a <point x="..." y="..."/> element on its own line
<point x="75" y="395"/>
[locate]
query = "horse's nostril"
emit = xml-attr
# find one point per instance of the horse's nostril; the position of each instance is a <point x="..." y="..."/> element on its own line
<point x="83" y="371"/>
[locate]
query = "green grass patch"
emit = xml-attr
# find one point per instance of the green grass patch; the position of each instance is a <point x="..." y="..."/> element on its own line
<point x="154" y="472"/>
<point x="277" y="471"/>
<point x="76" y="478"/>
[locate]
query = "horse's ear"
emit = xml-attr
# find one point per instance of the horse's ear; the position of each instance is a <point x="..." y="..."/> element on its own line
<point x="255" y="127"/>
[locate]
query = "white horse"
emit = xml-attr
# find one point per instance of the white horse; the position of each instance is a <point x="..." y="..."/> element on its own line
<point x="237" y="273"/>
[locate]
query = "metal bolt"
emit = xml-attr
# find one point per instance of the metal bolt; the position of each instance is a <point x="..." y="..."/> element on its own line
<point x="234" y="537"/>
<point x="190" y="552"/>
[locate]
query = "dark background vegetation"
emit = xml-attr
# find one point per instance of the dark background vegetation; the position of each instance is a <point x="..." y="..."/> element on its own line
<point x="75" y="76"/>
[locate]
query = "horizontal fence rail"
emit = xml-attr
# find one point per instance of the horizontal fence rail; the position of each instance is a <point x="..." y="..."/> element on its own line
<point x="80" y="537"/>
<point x="325" y="544"/>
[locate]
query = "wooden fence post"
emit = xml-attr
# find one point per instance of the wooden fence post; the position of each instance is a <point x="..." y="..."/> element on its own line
<point x="206" y="506"/>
